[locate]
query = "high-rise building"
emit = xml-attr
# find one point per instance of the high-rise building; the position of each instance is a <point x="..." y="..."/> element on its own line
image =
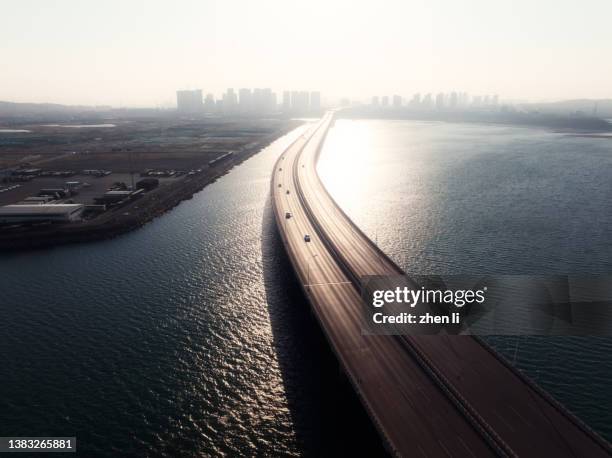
<point x="263" y="100"/>
<point x="273" y="102"/>
<point x="385" y="101"/>
<point x="397" y="101"/>
<point x="416" y="101"/>
<point x="299" y="101"/>
<point x="245" y="100"/>
<point x="440" y="101"/>
<point x="295" y="95"/>
<point x="304" y="101"/>
<point x="268" y="100"/>
<point x="427" y="103"/>
<point x="188" y="101"/>
<point x="230" y="101"/>
<point x="209" y="103"/>
<point x="375" y="101"/>
<point x="286" y="101"/>
<point x="257" y="100"/>
<point x="315" y="101"/>
<point x="454" y="100"/>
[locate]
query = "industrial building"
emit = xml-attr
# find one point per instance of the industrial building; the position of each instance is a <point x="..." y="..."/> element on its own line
<point x="36" y="200"/>
<point x="116" y="196"/>
<point x="37" y="213"/>
<point x="56" y="193"/>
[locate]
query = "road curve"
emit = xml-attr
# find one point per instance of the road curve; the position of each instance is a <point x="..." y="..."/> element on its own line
<point x="427" y="395"/>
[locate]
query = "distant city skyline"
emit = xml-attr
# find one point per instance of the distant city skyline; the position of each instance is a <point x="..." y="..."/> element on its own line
<point x="126" y="53"/>
<point x="437" y="100"/>
<point x="248" y="100"/>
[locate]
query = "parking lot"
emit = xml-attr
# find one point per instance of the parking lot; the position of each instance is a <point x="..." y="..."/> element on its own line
<point x="90" y="187"/>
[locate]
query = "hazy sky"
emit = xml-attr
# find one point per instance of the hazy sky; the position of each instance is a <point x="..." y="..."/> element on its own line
<point x="128" y="52"/>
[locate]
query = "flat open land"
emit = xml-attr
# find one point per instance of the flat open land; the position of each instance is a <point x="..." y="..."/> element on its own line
<point x="120" y="145"/>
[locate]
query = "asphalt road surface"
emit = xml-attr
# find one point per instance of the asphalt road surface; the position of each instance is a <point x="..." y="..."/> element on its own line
<point x="428" y="395"/>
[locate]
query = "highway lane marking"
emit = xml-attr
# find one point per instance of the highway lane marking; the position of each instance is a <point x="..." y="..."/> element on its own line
<point x="332" y="283"/>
